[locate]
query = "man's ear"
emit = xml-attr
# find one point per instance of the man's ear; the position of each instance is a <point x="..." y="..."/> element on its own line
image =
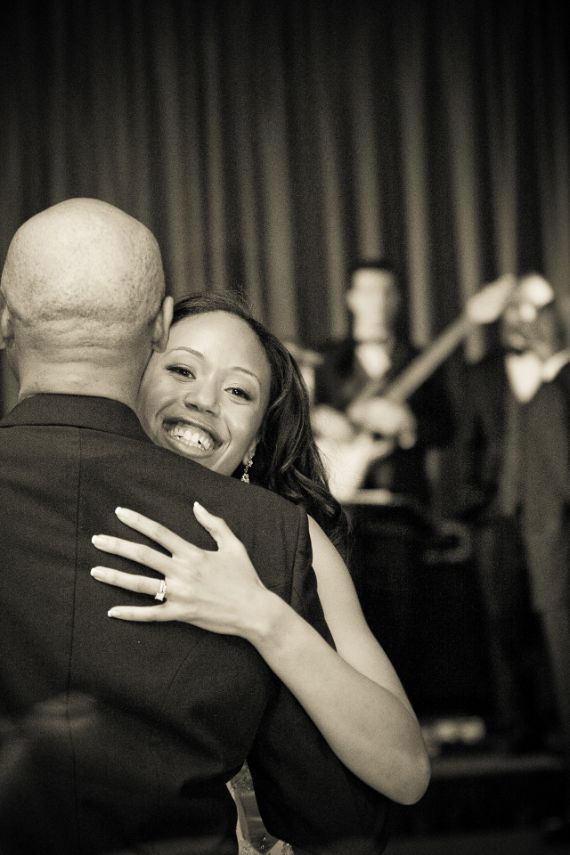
<point x="162" y="325"/>
<point x="6" y="325"/>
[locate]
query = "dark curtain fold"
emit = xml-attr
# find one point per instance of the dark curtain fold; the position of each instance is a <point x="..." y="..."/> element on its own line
<point x="267" y="144"/>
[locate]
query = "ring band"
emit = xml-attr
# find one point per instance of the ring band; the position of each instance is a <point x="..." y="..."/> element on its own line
<point x="161" y="593"/>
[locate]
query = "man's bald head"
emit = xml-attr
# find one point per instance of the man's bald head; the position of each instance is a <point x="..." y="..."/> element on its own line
<point x="82" y="301"/>
<point x="83" y="269"/>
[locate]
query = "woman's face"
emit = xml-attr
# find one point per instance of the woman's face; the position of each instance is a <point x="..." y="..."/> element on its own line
<point x="205" y="397"/>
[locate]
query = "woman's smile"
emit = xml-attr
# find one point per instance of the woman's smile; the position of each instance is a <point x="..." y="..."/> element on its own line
<point x="205" y="397"/>
<point x="191" y="436"/>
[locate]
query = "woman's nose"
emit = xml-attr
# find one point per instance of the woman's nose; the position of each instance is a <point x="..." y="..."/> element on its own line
<point x="202" y="396"/>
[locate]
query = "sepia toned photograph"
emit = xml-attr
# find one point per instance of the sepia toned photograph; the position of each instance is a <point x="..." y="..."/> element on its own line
<point x="285" y="427"/>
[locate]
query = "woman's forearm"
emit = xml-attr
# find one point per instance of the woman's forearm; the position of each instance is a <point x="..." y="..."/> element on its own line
<point x="365" y="724"/>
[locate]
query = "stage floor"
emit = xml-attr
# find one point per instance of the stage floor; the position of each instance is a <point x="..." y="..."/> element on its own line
<point x="522" y="842"/>
<point x="483" y="802"/>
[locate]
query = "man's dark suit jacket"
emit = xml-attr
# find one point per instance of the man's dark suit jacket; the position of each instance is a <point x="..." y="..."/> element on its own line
<point x="538" y="482"/>
<point x="481" y="436"/>
<point x="120" y="737"/>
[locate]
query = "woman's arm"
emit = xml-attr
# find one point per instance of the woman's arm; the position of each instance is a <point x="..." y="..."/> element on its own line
<point x="353" y="695"/>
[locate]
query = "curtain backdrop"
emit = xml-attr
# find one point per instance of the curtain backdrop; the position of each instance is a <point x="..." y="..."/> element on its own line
<point x="268" y="143"/>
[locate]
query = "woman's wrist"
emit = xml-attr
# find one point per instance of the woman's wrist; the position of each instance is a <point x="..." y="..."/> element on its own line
<point x="268" y="620"/>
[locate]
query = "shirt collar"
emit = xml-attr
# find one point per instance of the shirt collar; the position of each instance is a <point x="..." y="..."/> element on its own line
<point x="84" y="411"/>
<point x="554" y="364"/>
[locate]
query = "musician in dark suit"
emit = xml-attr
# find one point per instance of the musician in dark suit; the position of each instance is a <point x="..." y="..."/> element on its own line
<point x="119" y="737"/>
<point x="516" y="442"/>
<point x="389" y="537"/>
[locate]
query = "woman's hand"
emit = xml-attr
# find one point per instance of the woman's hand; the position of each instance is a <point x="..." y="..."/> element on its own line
<point x="357" y="702"/>
<point x="217" y="590"/>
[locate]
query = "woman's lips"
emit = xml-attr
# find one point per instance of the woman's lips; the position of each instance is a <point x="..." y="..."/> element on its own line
<point x="192" y="436"/>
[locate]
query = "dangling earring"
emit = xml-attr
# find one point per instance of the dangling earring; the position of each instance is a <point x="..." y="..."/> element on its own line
<point x="247" y="467"/>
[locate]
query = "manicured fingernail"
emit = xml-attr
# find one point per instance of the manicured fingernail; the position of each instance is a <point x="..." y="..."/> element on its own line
<point x="96" y="571"/>
<point x="99" y="539"/>
<point x="199" y="506"/>
<point x="112" y="613"/>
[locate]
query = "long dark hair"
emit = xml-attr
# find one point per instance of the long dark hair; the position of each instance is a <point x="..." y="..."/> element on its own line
<point x="287" y="460"/>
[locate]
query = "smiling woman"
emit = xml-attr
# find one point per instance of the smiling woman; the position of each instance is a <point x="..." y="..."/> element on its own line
<point x="227" y="394"/>
<point x="223" y="390"/>
<point x="207" y="401"/>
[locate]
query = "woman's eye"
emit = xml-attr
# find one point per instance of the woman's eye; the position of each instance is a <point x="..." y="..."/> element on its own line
<point x="180" y="371"/>
<point x="238" y="392"/>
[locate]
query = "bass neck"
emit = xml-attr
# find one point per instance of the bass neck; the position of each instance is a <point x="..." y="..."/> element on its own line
<point x="423" y="365"/>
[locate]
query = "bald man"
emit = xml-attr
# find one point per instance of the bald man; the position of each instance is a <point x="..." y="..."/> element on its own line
<point x="120" y="737"/>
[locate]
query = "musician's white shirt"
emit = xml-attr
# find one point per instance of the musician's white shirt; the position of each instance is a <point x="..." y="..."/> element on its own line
<point x="374" y="358"/>
<point x="527" y="372"/>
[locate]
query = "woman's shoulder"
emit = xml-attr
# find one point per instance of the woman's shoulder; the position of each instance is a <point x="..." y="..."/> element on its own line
<point x="336" y="589"/>
<point x="327" y="560"/>
<point x="315" y="529"/>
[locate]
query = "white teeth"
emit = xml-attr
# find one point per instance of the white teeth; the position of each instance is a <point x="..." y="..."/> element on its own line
<point x="192" y="436"/>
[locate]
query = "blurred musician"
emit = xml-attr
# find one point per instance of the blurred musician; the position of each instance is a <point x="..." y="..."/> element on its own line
<point x="517" y="421"/>
<point x="383" y="441"/>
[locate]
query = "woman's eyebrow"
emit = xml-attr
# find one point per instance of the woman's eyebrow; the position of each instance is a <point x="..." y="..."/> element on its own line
<point x="201" y="356"/>
<point x="187" y="349"/>
<point x="245" y="371"/>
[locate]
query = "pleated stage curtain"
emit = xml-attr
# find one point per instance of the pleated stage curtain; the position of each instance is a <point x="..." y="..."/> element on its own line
<point x="267" y="144"/>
